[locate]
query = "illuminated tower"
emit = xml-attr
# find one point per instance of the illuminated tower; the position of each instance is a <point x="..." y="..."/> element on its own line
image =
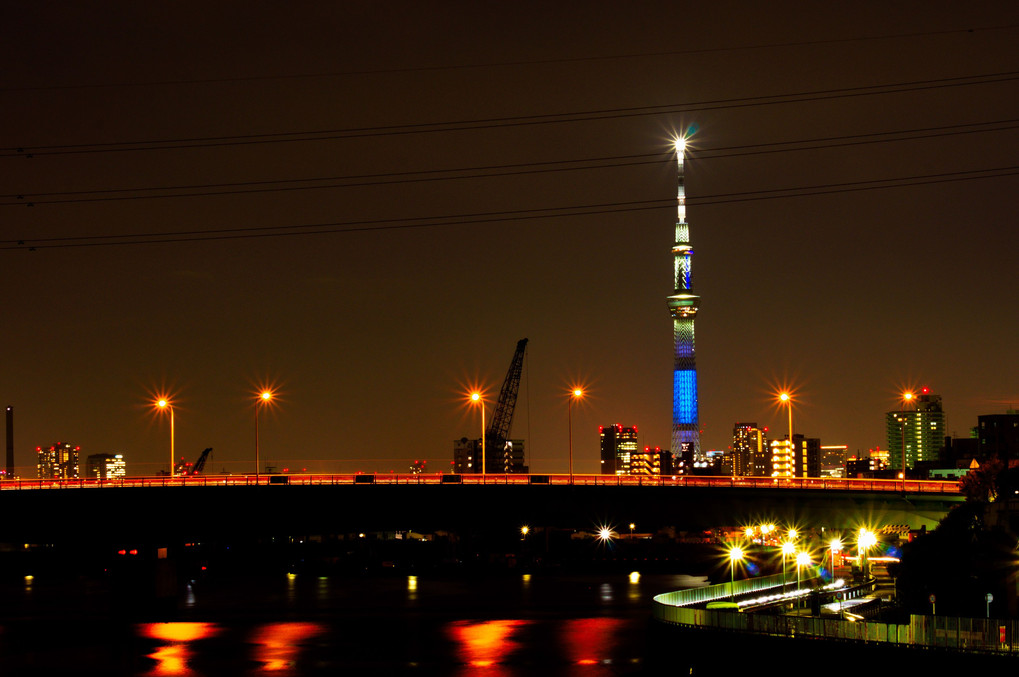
<point x="683" y="304"/>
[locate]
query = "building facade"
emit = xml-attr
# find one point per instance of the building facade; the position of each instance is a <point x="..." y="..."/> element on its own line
<point x="917" y="432"/>
<point x="467" y="458"/>
<point x="998" y="436"/>
<point x="619" y="445"/>
<point x="105" y="466"/>
<point x="58" y="462"/>
<point x="750" y="455"/>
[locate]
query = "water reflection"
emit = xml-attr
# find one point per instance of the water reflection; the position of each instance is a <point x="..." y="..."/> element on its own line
<point x="278" y="645"/>
<point x="412" y="588"/>
<point x="590" y="641"/>
<point x="174" y="657"/>
<point x="485" y="643"/>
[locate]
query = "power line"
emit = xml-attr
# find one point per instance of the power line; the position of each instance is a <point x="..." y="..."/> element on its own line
<point x="852" y="186"/>
<point x="331" y="227"/>
<point x="494" y="217"/>
<point x="380" y="179"/>
<point x="489" y="171"/>
<point x="505" y="64"/>
<point x="507" y="121"/>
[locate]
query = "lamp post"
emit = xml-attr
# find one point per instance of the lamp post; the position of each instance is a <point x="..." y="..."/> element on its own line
<point x="787" y="399"/>
<point x="476" y="397"/>
<point x="907" y="397"/>
<point x="735" y="555"/>
<point x="632" y="527"/>
<point x="864" y="542"/>
<point x="264" y="398"/>
<point x="802" y="560"/>
<point x="164" y="403"/>
<point x="788" y="548"/>
<point x="576" y="394"/>
<point x="834" y="546"/>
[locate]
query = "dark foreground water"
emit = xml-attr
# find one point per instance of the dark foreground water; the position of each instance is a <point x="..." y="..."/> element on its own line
<point x="501" y="625"/>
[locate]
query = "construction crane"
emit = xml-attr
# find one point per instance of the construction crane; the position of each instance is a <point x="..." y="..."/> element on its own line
<point x="499" y="427"/>
<point x="196" y="467"/>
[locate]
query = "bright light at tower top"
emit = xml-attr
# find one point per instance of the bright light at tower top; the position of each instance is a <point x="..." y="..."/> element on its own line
<point x="680" y="143"/>
<point x="475" y="397"/>
<point x="785" y="397"/>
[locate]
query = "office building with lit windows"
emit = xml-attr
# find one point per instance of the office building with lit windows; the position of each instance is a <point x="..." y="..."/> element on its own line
<point x="618" y="447"/>
<point x="467" y="457"/>
<point x="106" y="466"/>
<point x="783" y="458"/>
<point x="919" y="430"/>
<point x="58" y="462"/>
<point x="750" y="454"/>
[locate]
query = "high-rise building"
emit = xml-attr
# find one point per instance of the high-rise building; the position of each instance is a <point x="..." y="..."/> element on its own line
<point x="106" y="466"/>
<point x="647" y="463"/>
<point x="833" y="460"/>
<point x="920" y="430"/>
<point x="807" y="458"/>
<point x="618" y="446"/>
<point x="749" y="448"/>
<point x="683" y="306"/>
<point x="783" y="458"/>
<point x="467" y="457"/>
<point x="999" y="436"/>
<point x="58" y="462"/>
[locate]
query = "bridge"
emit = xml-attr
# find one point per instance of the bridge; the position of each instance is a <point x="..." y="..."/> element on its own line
<point x="250" y="506"/>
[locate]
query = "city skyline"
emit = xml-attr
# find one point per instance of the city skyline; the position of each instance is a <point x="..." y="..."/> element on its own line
<point x="540" y="142"/>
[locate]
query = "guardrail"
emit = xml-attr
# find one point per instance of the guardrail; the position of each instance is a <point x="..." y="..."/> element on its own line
<point x="695" y="481"/>
<point x="974" y="635"/>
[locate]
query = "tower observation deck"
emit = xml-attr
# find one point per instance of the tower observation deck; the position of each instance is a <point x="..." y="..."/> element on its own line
<point x="683" y="306"/>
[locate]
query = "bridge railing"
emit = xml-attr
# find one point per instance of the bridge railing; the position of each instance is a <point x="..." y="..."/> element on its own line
<point x="691" y="481"/>
<point x="976" y="635"/>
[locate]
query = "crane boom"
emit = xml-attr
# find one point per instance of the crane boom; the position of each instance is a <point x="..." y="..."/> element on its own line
<point x="499" y="427"/>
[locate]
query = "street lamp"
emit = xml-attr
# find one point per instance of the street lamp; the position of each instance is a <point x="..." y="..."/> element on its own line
<point x="907" y="397"/>
<point x="802" y="560"/>
<point x="788" y="548"/>
<point x="632" y="527"/>
<point x="864" y="542"/>
<point x="264" y="398"/>
<point x="735" y="555"/>
<point x="476" y="397"/>
<point x="576" y="394"/>
<point x="834" y="546"/>
<point x="165" y="404"/>
<point x="787" y="400"/>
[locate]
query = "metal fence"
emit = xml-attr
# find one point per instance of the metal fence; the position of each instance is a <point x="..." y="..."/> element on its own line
<point x="979" y="635"/>
<point x="795" y="483"/>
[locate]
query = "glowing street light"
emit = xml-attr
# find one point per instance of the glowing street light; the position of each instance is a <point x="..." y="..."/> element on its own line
<point x="802" y="560"/>
<point x="907" y="397"/>
<point x="476" y="397"/>
<point x="736" y="554"/>
<point x="576" y="394"/>
<point x="788" y="548"/>
<point x="864" y="542"/>
<point x="165" y="405"/>
<point x="632" y="527"/>
<point x="524" y="530"/>
<point x="787" y="399"/>
<point x="605" y="534"/>
<point x="834" y="546"/>
<point x="263" y="400"/>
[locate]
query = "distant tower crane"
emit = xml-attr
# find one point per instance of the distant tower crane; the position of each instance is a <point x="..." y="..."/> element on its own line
<point x="499" y="428"/>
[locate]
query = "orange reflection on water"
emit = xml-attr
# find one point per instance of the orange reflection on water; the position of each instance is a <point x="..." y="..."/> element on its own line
<point x="485" y="643"/>
<point x="589" y="641"/>
<point x="277" y="645"/>
<point x="173" y="658"/>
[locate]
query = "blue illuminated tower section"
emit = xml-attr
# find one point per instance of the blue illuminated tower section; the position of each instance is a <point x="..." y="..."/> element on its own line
<point x="683" y="304"/>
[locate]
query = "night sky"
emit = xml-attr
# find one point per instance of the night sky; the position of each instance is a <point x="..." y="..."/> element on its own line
<point x="367" y="205"/>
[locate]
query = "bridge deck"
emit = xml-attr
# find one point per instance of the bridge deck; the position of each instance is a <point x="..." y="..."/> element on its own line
<point x="793" y="483"/>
